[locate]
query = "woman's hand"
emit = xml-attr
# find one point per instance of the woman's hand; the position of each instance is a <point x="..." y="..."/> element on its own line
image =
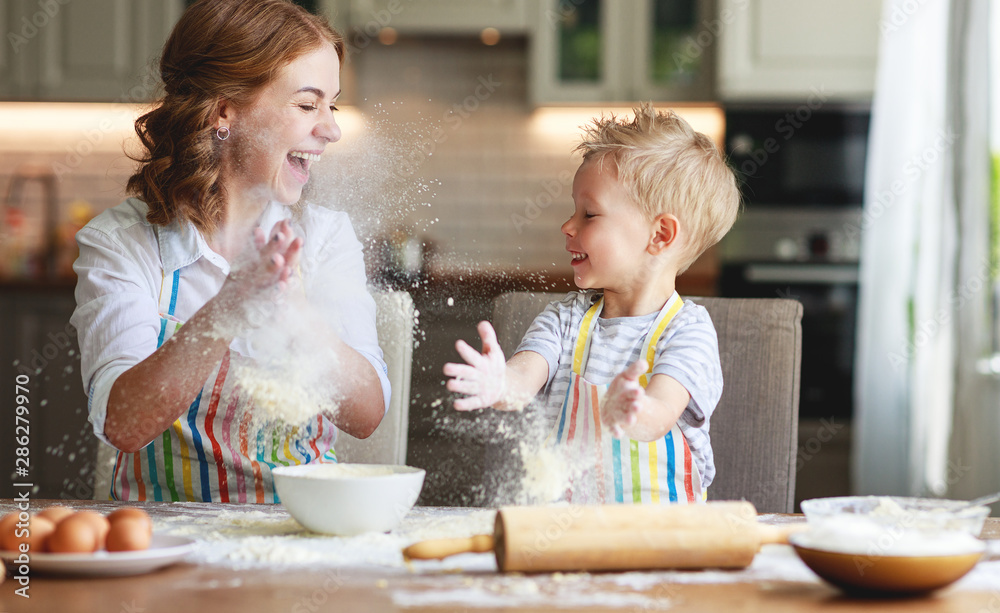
<point x="276" y="261"/>
<point x="148" y="397"/>
<point x="254" y="287"/>
<point x="484" y="375"/>
<point x="623" y="401"/>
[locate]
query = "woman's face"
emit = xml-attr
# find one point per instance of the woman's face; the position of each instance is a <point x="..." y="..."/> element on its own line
<point x="277" y="137"/>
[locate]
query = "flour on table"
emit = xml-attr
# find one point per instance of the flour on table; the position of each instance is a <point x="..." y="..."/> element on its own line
<point x="242" y="539"/>
<point x="541" y="591"/>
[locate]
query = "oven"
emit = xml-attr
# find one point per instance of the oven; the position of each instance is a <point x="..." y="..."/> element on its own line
<point x="829" y="295"/>
<point x="801" y="171"/>
<point x="795" y="156"/>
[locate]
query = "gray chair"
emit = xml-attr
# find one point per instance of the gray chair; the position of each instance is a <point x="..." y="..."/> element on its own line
<point x="387" y="445"/>
<point x="755" y="425"/>
<point x="395" y="322"/>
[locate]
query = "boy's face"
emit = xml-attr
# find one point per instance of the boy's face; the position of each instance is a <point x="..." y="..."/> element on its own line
<point x="607" y="235"/>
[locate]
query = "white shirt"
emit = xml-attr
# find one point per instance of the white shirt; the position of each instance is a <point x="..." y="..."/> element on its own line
<point x="124" y="259"/>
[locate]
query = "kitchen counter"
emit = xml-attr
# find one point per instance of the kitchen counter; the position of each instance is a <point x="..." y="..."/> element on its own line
<point x="256" y="558"/>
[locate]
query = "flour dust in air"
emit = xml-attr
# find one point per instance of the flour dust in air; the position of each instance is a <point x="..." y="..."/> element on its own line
<point x="290" y="375"/>
<point x="293" y="375"/>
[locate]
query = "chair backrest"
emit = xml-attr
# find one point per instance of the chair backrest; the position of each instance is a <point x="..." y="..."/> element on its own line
<point x="394" y="320"/>
<point x="755" y="425"/>
<point x="387" y="445"/>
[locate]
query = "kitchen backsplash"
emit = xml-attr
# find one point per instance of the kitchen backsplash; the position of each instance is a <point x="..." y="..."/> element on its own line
<point x="94" y="184"/>
<point x="439" y="142"/>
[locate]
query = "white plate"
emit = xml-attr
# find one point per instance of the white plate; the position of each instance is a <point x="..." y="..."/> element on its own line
<point x="163" y="550"/>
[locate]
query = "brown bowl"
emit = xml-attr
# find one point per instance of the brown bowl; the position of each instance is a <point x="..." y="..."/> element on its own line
<point x="887" y="575"/>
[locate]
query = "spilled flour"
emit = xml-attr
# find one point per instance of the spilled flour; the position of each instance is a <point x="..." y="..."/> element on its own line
<point x="271" y="538"/>
<point x="556" y="591"/>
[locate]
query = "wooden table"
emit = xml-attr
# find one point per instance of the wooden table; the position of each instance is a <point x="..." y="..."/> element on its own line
<point x="377" y="580"/>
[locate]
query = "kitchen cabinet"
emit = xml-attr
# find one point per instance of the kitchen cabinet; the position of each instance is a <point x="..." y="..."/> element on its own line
<point x="430" y="16"/>
<point x="5" y="75"/>
<point x="101" y="50"/>
<point x="621" y="51"/>
<point x="797" y="50"/>
<point x="38" y="341"/>
<point x="11" y="71"/>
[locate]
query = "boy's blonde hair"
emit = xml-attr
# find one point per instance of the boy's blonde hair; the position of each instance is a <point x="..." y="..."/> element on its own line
<point x="667" y="167"/>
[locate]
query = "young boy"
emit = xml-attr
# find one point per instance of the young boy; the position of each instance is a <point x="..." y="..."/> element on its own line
<point x="630" y="371"/>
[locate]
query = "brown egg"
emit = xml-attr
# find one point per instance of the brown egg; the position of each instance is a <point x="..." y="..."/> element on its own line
<point x="35" y="534"/>
<point x="7" y="526"/>
<point x="55" y="513"/>
<point x="129" y="534"/>
<point x="75" y="534"/>
<point x="132" y="513"/>
<point x="98" y="522"/>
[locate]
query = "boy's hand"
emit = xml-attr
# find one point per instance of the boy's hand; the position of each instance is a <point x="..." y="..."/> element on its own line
<point x="484" y="375"/>
<point x="623" y="401"/>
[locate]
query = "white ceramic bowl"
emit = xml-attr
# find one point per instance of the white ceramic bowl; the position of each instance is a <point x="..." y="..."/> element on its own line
<point x="348" y="499"/>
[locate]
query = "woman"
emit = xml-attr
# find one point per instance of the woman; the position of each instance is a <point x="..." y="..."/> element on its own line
<point x="214" y="239"/>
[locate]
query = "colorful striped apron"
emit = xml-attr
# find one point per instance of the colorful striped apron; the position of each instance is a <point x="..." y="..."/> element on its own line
<point x="212" y="452"/>
<point x="621" y="470"/>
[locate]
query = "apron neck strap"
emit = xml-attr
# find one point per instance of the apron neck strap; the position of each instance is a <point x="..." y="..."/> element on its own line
<point x="663" y="320"/>
<point x="581" y="352"/>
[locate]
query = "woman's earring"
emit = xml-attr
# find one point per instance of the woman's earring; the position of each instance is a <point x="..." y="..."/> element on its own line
<point x="222" y="133"/>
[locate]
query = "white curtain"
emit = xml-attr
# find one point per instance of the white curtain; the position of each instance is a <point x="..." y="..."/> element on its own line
<point x="974" y="460"/>
<point x="925" y="303"/>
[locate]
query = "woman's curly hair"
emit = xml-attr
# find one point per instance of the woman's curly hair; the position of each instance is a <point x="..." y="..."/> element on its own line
<point x="220" y="50"/>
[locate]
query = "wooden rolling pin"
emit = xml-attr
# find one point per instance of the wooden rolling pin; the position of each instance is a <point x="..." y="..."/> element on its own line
<point x="616" y="537"/>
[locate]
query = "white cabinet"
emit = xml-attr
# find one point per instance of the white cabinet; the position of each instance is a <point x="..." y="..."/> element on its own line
<point x="620" y="51"/>
<point x="13" y="66"/>
<point x="101" y="50"/>
<point x="430" y="16"/>
<point x="792" y="49"/>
